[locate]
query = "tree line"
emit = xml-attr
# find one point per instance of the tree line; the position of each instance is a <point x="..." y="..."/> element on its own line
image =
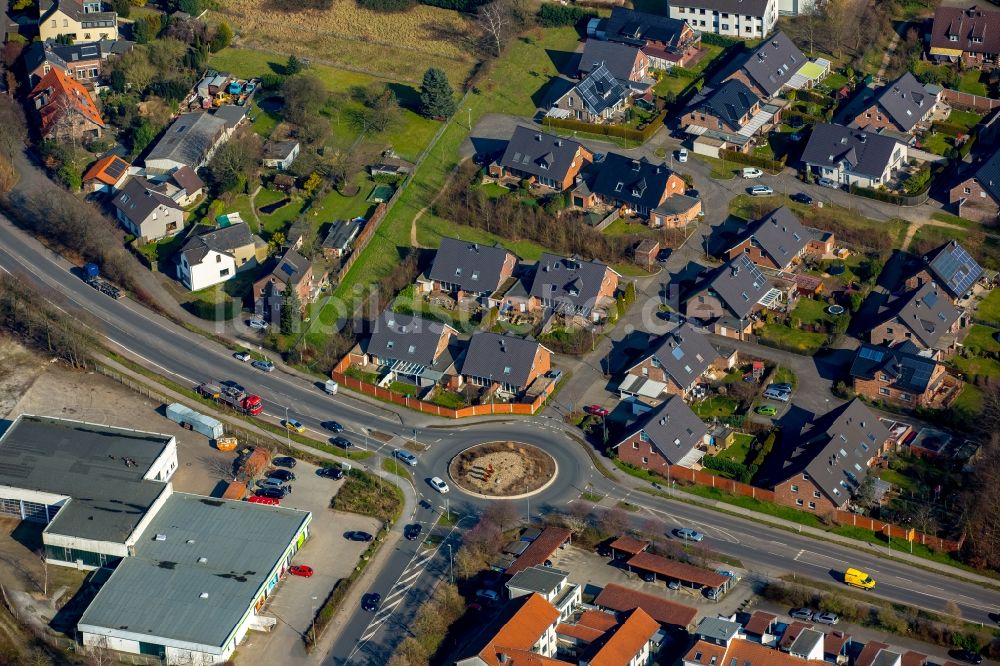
<point x="29" y="316"/>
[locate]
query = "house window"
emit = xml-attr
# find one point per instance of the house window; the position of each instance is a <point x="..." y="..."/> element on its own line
<point x="725" y="26"/>
<point x="65" y="23"/>
<point x="815" y="493"/>
<point x="224" y="272"/>
<point x="645" y="460"/>
<point x="798" y="502"/>
<point x="795" y="488"/>
<point x="218" y="258"/>
<point x="967" y="190"/>
<point x="905" y="397"/>
<point x="883" y="391"/>
<point x="888" y="330"/>
<point x="882" y="377"/>
<point x="569" y="101"/>
<point x="952" y="38"/>
<point x="635" y="446"/>
<point x="643" y="436"/>
<point x="812" y="505"/>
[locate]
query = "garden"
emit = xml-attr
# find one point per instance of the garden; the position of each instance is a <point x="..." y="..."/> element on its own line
<point x="808" y="328"/>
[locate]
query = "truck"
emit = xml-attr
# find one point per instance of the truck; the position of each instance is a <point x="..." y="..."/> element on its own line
<point x="331" y="387"/>
<point x="236" y="398"/>
<point x="236" y="490"/>
<point x="192" y="420"/>
<point x="858" y="578"/>
<point x="92" y="276"/>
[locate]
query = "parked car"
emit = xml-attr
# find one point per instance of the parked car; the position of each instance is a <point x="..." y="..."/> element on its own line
<point x="370" y="602"/>
<point x="405" y="456"/>
<point x="663" y="254"/>
<point x="712" y="593"/>
<point x="803" y="614"/>
<point x="689" y="534"/>
<point x="438" y="484"/>
<point x="273" y="483"/>
<point x="787" y="388"/>
<point x="265" y="366"/>
<point x="596" y="410"/>
<point x="257" y="324"/>
<point x="826" y="618"/>
<point x="333" y="426"/>
<point x="301" y="570"/>
<point x="802" y="198"/>
<point x="968" y="656"/>
<point x="243" y="356"/>
<point x="752" y="172"/>
<point x="272" y="493"/>
<point x="783" y="396"/>
<point x="555" y="374"/>
<point x="284" y="461"/>
<point x="293" y="425"/>
<point x="281" y="475"/>
<point x="674" y="584"/>
<point x="767" y="410"/>
<point x="760" y="191"/>
<point x="488" y="595"/>
<point x="258" y="499"/>
<point x="648" y="576"/>
<point x="682" y="155"/>
<point x="358" y="535"/>
<point x="826" y="182"/>
<point x="726" y="572"/>
<point x="413" y="531"/>
<point x="330" y="472"/>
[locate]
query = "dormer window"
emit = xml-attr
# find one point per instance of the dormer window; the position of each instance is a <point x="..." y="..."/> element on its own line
<point x="390" y="344"/>
<point x="458" y="272"/>
<point x="952" y="38"/>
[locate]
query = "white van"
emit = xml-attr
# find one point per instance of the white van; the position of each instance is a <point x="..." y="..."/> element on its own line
<point x="752" y="172"/>
<point x="331" y="387"/>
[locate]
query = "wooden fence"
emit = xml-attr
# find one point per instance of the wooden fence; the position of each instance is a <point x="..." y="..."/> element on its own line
<point x="518" y="408"/>
<point x="964" y="100"/>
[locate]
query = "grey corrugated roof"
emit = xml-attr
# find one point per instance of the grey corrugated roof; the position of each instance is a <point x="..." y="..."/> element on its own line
<point x="156" y="592"/>
<point x="188" y="139"/>
<point x="807" y="641"/>
<point x="544" y="580"/>
<point x="600" y="90"/>
<point x="530" y="150"/>
<point x="780" y="235"/>
<point x="472" y="266"/>
<point x="676" y="204"/>
<point x="279" y="150"/>
<point x="908" y="370"/>
<point x="740" y="285"/>
<point x="672" y="428"/>
<point x="618" y="58"/>
<point x="231" y="114"/>
<point x="988" y="175"/>
<point x="772" y="64"/>
<point x="564" y="280"/>
<point x="905" y="100"/>
<point x="865" y="153"/>
<point x="634" y="181"/>
<point x="717" y="629"/>
<point x="225" y="240"/>
<point x="506" y="359"/>
<point x="926" y="311"/>
<point x="406" y="338"/>
<point x="84" y="462"/>
<point x="684" y="354"/>
<point x="840" y="446"/>
<point x="138" y="200"/>
<point x="341" y="233"/>
<point x="186" y="178"/>
<point x="730" y="101"/>
<point x="953" y="268"/>
<point x="633" y="27"/>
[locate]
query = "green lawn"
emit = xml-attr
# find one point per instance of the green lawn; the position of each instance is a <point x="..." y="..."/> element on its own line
<point x="982" y="338"/>
<point x="335" y="206"/>
<point x="898" y="479"/>
<point x="784" y="375"/>
<point x="740" y="448"/>
<point x="835" y="81"/>
<point x="792" y="338"/>
<point x="263" y="121"/>
<point x="809" y="311"/>
<point x="970" y="83"/>
<point x="977" y="365"/>
<point x="937" y="143"/>
<point x="448" y="399"/>
<point x="969" y="401"/>
<point x="989" y="307"/>
<point x="716" y="406"/>
<point x="985" y="248"/>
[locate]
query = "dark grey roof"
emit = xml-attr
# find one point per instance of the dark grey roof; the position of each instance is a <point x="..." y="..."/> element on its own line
<point x="188" y="139"/>
<point x="908" y="370"/>
<point x="839" y="447"/>
<point x="116" y="46"/>
<point x="341" y="233"/>
<point x="618" y="58"/>
<point x="953" y="268"/>
<point x="672" y="428"/>
<point x="74" y="9"/>
<point x="62" y="55"/>
<point x="540" y="579"/>
<point x="292" y="265"/>
<point x="780" y="235"/>
<point x="568" y="281"/>
<point x="86" y="463"/>
<point x="740" y="285"/>
<point x="684" y="354"/>
<point x="865" y="153"/>
<point x="632" y="27"/>
<point x="506" y="359"/>
<point x="676" y="204"/>
<point x="988" y="175"/>
<point x="221" y="549"/>
<point x="746" y="7"/>
<point x="408" y="338"/>
<point x="539" y="154"/>
<point x="807" y="641"/>
<point x="634" y="181"/>
<point x="231" y="114"/>
<point x="137" y="200"/>
<point x="772" y="64"/>
<point x="717" y="630"/>
<point x="279" y="150"/>
<point x="203" y="238"/>
<point x="187" y="179"/>
<point x="924" y="310"/>
<point x="600" y="90"/>
<point x="905" y="100"/>
<point x="730" y="101"/>
<point x="473" y="267"/>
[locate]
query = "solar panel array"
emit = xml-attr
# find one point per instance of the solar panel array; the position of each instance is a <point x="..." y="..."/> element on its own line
<point x="872" y="354"/>
<point x="116" y="168"/>
<point x="958" y="268"/>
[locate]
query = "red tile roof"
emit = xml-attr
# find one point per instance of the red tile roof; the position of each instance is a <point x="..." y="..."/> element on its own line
<point x="629" y="545"/>
<point x="541" y="548"/>
<point x="678" y="570"/>
<point x="597" y="620"/>
<point x="912" y="658"/>
<point x="705" y="653"/>
<point x="63" y="93"/>
<point x="105" y="169"/>
<point x="744" y="653"/>
<point x="579" y="632"/>
<point x="664" y="611"/>
<point x="626" y="641"/>
<point x="520" y="631"/>
<point x="760" y="623"/>
<point x="869" y="652"/>
<point x="835" y="641"/>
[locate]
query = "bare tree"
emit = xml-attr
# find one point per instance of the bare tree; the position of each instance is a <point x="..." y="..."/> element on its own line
<point x="99" y="654"/>
<point x="496" y="19"/>
<point x="504" y="514"/>
<point x="613" y="521"/>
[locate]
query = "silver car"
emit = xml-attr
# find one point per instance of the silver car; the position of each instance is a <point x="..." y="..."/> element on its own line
<point x="405" y="456"/>
<point x="803" y="614"/>
<point x="826" y="618"/>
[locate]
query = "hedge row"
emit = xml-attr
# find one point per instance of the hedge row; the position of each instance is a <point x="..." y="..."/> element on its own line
<point x="753" y="160"/>
<point x="610" y="130"/>
<point x="739" y="471"/>
<point x="554" y="16"/>
<point x="949" y="128"/>
<point x="719" y="40"/>
<point x="889" y="197"/>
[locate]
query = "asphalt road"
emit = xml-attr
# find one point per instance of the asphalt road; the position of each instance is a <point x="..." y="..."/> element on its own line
<point x="190" y="359"/>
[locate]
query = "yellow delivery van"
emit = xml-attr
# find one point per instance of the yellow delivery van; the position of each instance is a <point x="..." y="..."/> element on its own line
<point x="859" y="578"/>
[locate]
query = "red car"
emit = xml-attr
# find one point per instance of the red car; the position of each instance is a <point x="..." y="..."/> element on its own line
<point x="256" y="499"/>
<point x="301" y="570"/>
<point x="596" y="410"/>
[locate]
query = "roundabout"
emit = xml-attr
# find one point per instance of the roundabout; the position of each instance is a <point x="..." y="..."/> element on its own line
<point x="503" y="469"/>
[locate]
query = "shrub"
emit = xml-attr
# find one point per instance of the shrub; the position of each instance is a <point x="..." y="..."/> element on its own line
<point x="765" y="450"/>
<point x="552" y="15"/>
<point x="739" y="471"/>
<point x="387" y="5"/>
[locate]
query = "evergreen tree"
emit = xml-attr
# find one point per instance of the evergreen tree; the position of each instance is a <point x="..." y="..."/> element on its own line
<point x="222" y="38"/>
<point x="291" y="310"/>
<point x="293" y="67"/>
<point x="437" y="99"/>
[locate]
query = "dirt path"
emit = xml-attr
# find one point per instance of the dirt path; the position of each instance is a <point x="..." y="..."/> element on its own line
<point x="253" y="209"/>
<point x="430" y="204"/>
<point x="889" y="51"/>
<point x="917" y="224"/>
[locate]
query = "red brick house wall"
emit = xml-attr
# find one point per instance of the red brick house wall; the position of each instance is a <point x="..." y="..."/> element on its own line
<point x="660" y="220"/>
<point x="754" y="253"/>
<point x="871" y="389"/>
<point x="647" y="369"/>
<point x="976" y="203"/>
<point x="874" y="117"/>
<point x="801" y="492"/>
<point x="642" y="454"/>
<point x="708" y="121"/>
<point x="541" y="365"/>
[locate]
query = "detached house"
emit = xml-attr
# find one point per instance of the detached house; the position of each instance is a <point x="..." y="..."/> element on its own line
<point x="772" y="67"/>
<point x="832" y="459"/>
<point x="465" y="269"/>
<point x="634" y="185"/>
<point x="506" y="362"/>
<point x="549" y="161"/>
<point x="84" y="21"/>
<point x="924" y="316"/>
<point x="107" y="174"/>
<point x="950" y="267"/>
<point x="82" y="62"/>
<point x="213" y="255"/>
<point x="664" y="41"/>
<point x="978" y="198"/>
<point x="626" y="63"/>
<point x="66" y="111"/>
<point x="850" y="156"/>
<point x="280" y="154"/>
<point x="970" y="35"/>
<point x="673" y="367"/>
<point x="190" y="140"/>
<point x="268" y="292"/>
<point x="410" y="348"/>
<point x="670" y="434"/>
<point x="730" y="113"/>
<point x="903" y="106"/>
<point x="746" y="19"/>
<point x="599" y="97"/>
<point x="147" y="214"/>
<point x="900" y="375"/>
<point x="573" y="287"/>
<point x="778" y="240"/>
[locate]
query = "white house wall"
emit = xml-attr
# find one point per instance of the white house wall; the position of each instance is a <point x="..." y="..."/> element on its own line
<point x="163" y="468"/>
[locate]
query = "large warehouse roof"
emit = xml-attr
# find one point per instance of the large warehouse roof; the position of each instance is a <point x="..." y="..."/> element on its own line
<point x="198" y="567"/>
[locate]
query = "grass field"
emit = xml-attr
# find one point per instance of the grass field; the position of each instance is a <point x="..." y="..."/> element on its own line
<point x="985" y="248"/>
<point x="989" y="307"/>
<point x="395" y="45"/>
<point x="793" y="338"/>
<point x="982" y="338"/>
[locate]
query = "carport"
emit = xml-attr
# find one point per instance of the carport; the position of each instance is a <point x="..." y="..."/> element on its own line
<point x="685" y="574"/>
<point x="626" y="546"/>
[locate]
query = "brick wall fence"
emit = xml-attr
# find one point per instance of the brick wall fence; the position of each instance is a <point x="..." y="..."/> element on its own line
<point x="522" y="409"/>
<point x="839" y="516"/>
<point x="365" y="236"/>
<point x="969" y="101"/>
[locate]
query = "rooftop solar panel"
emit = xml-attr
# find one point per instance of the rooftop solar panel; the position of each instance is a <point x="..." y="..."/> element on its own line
<point x="872" y="354"/>
<point x="116" y="168"/>
<point x="956" y="268"/>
